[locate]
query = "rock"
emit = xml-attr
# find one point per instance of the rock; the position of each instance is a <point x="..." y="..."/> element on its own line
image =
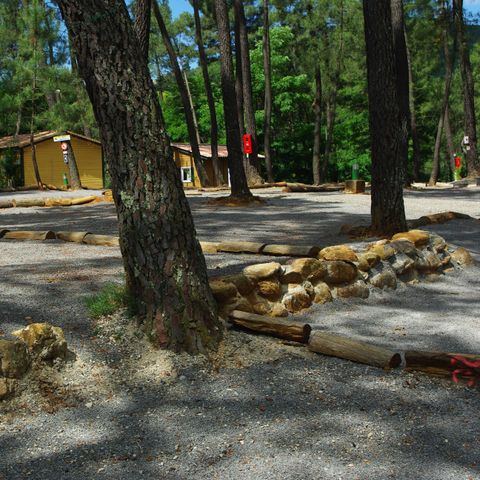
<point x="297" y="300"/>
<point x="14" y="358"/>
<point x="291" y="250"/>
<point x="309" y="288"/>
<point x="418" y="237"/>
<point x="240" y="247"/>
<point x="383" y="276"/>
<point x="437" y="243"/>
<point x="383" y="250"/>
<point x="262" y="270"/>
<point x="356" y="289"/>
<point x="242" y="282"/>
<point x="290" y="276"/>
<point x="367" y="260"/>
<point x="404" y="246"/>
<point x="463" y="257"/>
<point x="410" y="276"/>
<point x="427" y="261"/>
<point x="44" y="341"/>
<point x="401" y="263"/>
<point x="223" y="291"/>
<point x="7" y="388"/>
<point x="259" y="304"/>
<point x="340" y="272"/>
<point x="279" y="310"/>
<point x="307" y="268"/>
<point x="270" y="289"/>
<point x="322" y="293"/>
<point x="338" y="252"/>
<point x="235" y="303"/>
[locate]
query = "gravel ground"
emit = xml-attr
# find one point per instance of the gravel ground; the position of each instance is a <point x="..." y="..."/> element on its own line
<point x="266" y="410"/>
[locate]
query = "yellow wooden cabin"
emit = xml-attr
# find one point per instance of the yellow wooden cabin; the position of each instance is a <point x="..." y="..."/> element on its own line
<point x="88" y="155"/>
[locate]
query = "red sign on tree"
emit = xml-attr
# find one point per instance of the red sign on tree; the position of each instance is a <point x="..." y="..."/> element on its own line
<point x="247" y="143"/>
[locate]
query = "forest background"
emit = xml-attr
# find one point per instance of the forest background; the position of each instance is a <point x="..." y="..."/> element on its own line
<point x="40" y="88"/>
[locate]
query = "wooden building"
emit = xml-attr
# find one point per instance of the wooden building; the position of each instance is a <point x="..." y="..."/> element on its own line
<point x="88" y="155"/>
<point x="182" y="154"/>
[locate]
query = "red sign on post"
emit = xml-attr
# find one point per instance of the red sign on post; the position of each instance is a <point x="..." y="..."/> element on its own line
<point x="64" y="146"/>
<point x="458" y="162"/>
<point x="247" y="143"/>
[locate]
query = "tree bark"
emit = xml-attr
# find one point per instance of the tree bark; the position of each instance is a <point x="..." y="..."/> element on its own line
<point x="401" y="61"/>
<point x="74" y="176"/>
<point x="210" y="100"/>
<point x="436" y="152"/>
<point x="142" y="24"/>
<point x="165" y="269"/>
<point x="470" y="127"/>
<point x="267" y="66"/>
<point x="252" y="165"/>
<point x="317" y="110"/>
<point x="450" y="143"/>
<point x="386" y="129"/>
<point x="238" y="180"/>
<point x="192" y="108"/>
<point x="202" y="173"/>
<point x="239" y="90"/>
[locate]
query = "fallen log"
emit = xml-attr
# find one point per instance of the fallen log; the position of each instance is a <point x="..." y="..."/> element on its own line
<point x="6" y="204"/>
<point x="83" y="200"/>
<point x="209" y="247"/>
<point x="105" y="240"/>
<point x="240" y="247"/>
<point x="291" y="250"/>
<point x="300" y="187"/>
<point x="277" y="327"/>
<point x="58" y="202"/>
<point x="30" y="235"/>
<point x="72" y="236"/>
<point x="354" y="350"/>
<point x="456" y="365"/>
<point x="28" y="202"/>
<point x="3" y="232"/>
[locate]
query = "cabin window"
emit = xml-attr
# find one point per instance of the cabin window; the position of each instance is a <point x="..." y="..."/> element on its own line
<point x="186" y="173"/>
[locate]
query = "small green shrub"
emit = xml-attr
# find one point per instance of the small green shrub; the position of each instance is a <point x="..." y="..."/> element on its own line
<point x="111" y="298"/>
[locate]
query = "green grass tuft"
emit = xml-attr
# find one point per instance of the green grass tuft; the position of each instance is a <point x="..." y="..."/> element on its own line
<point x="111" y="298"/>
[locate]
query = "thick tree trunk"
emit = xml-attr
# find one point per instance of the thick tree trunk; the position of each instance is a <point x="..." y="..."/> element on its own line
<point x="252" y="165"/>
<point x="400" y="47"/>
<point x="165" y="269"/>
<point x="416" y="157"/>
<point x="317" y="110"/>
<point x="470" y="128"/>
<point x="74" y="176"/>
<point x="330" y="113"/>
<point x="208" y="90"/>
<point x="436" y="152"/>
<point x="239" y="89"/>
<point x="238" y="179"/>
<point x="142" y="24"/>
<point x="202" y="173"/>
<point x="450" y="143"/>
<point x="387" y="131"/>
<point x="192" y="108"/>
<point x="267" y="123"/>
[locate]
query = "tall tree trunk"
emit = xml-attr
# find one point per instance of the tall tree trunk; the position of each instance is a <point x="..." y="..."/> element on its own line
<point x="192" y="108"/>
<point x="142" y="24"/>
<point x="267" y="67"/>
<point x="386" y="129"/>
<point x="202" y="173"/>
<point x="317" y="110"/>
<point x="436" y="151"/>
<point x="450" y="142"/>
<point x="74" y="176"/>
<point x="470" y="127"/>
<point x="416" y="157"/>
<point x="18" y="123"/>
<point x="239" y="89"/>
<point x="165" y="268"/>
<point x="238" y="179"/>
<point x="210" y="100"/>
<point x="400" y="47"/>
<point x="252" y="164"/>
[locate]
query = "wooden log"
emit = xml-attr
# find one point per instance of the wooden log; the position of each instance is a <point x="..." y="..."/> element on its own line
<point x="3" y="232"/>
<point x="6" y="203"/>
<point x="106" y="240"/>
<point x="29" y="235"/>
<point x="291" y="250"/>
<point x="58" y="202"/>
<point x="209" y="247"/>
<point x="72" y="236"/>
<point x="240" y="247"/>
<point x="83" y="200"/>
<point x="277" y="327"/>
<point x="354" y="350"/>
<point x="300" y="187"/>
<point x="441" y="364"/>
<point x="28" y="202"/>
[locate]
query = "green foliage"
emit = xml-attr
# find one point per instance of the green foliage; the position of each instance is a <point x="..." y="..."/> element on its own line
<point x="111" y="298"/>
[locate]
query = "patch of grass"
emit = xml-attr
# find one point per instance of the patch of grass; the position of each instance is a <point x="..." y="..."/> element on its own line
<point x="111" y="298"/>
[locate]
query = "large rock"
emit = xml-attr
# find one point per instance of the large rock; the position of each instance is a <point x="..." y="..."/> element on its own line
<point x="418" y="237"/>
<point x="463" y="257"/>
<point x="340" y="272"/>
<point x="357" y="289"/>
<point x="243" y="283"/>
<point x="262" y="270"/>
<point x="322" y="293"/>
<point x="223" y="291"/>
<point x="14" y="358"/>
<point x="260" y="305"/>
<point x="44" y="341"/>
<point x="235" y="303"/>
<point x="383" y="276"/>
<point x="427" y="261"/>
<point x="7" y="387"/>
<point x="270" y="288"/>
<point x="383" y="250"/>
<point x="338" y="252"/>
<point x="401" y="263"/>
<point x="437" y="243"/>
<point x="367" y="260"/>
<point x="278" y="310"/>
<point x="297" y="300"/>
<point x="404" y="246"/>
<point x="304" y="269"/>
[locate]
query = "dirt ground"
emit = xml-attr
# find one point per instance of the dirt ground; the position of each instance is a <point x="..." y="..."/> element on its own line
<point x="264" y="410"/>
